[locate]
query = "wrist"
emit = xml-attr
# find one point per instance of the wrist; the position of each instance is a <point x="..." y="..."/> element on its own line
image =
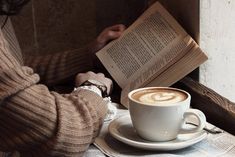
<point x="91" y="88"/>
<point x="102" y="87"/>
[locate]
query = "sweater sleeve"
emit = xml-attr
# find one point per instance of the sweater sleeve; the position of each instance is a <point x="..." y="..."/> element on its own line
<point x="57" y="67"/>
<point x="39" y="122"/>
<point x="34" y="119"/>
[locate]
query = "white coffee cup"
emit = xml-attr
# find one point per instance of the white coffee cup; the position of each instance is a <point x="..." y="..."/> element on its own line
<point x="159" y="113"/>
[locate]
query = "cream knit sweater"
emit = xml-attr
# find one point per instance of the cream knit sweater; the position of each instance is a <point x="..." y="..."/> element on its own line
<point x="39" y="122"/>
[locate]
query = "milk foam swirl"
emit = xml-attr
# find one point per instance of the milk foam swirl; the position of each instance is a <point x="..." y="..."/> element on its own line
<point x="163" y="97"/>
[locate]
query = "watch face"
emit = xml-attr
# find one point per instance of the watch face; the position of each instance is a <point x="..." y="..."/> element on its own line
<point x="99" y="85"/>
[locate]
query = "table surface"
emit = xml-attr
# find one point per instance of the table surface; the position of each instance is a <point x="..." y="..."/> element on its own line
<point x="214" y="145"/>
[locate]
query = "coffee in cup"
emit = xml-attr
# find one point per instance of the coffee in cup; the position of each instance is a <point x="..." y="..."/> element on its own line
<point x="159" y="96"/>
<point x="158" y="113"/>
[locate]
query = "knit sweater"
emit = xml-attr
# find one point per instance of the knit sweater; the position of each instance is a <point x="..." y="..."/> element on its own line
<point x="39" y="122"/>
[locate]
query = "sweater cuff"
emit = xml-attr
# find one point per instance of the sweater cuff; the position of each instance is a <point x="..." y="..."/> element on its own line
<point x="91" y="88"/>
<point x="96" y="101"/>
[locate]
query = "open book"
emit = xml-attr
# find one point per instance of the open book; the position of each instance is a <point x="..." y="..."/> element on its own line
<point x="154" y="51"/>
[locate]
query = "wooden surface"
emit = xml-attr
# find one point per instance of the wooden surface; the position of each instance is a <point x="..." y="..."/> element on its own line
<point x="218" y="110"/>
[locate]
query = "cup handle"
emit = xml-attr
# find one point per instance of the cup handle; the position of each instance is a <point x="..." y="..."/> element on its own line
<point x="199" y="115"/>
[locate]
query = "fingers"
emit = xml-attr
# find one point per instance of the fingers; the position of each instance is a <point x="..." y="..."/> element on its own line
<point x="101" y="74"/>
<point x="109" y="85"/>
<point x="118" y="27"/>
<point x="82" y="77"/>
<point x="111" y="33"/>
<point x="108" y="34"/>
<point x="115" y="31"/>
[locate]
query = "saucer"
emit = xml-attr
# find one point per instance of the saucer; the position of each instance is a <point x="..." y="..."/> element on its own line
<point x="122" y="130"/>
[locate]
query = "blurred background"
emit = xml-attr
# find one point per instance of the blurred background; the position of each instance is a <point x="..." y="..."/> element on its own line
<point x="51" y="26"/>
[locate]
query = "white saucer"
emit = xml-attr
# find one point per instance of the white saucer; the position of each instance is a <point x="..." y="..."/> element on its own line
<point x="122" y="129"/>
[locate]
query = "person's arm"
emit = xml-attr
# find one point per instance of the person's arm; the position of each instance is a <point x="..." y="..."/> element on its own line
<point x="34" y="120"/>
<point x="57" y="67"/>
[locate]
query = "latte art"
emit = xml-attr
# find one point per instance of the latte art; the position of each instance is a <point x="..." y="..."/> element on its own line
<point x="159" y="96"/>
<point x="157" y="113"/>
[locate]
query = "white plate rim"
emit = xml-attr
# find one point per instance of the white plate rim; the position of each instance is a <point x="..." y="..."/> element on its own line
<point x="161" y="146"/>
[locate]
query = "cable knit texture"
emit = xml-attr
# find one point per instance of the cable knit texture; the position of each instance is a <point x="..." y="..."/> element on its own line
<point x="38" y="122"/>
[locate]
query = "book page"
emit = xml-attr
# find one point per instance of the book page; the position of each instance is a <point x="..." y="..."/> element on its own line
<point x="150" y="37"/>
<point x="187" y="63"/>
<point x="162" y="62"/>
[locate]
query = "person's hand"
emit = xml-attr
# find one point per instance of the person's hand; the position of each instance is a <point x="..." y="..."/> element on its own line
<point x="107" y="35"/>
<point x="82" y="77"/>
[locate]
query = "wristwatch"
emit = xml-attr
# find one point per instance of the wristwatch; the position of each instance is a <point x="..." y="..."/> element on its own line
<point x="102" y="87"/>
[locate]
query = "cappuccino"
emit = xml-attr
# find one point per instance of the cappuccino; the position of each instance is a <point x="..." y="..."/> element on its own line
<point x="157" y="113"/>
<point x="159" y="96"/>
